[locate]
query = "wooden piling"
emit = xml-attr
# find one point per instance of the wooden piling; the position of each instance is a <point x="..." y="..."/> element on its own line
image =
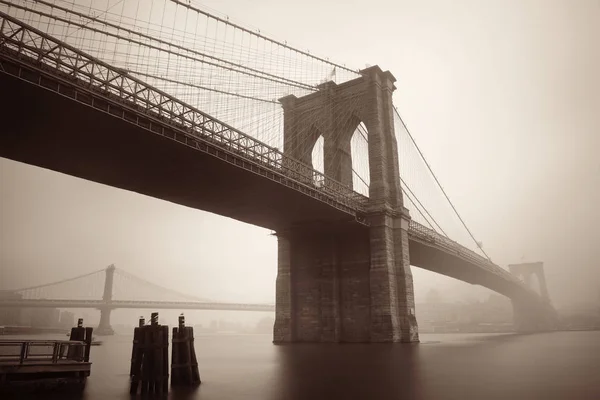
<point x="184" y="365"/>
<point x="149" y="373"/>
<point x="77" y="353"/>
<point x="88" y="344"/>
<point x="146" y="359"/>
<point x="135" y="348"/>
<point x="193" y="359"/>
<point x="175" y="380"/>
<point x="165" y="358"/>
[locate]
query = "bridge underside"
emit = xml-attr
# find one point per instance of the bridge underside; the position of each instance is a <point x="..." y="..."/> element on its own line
<point x="530" y="315"/>
<point x="442" y="262"/>
<point x="48" y="130"/>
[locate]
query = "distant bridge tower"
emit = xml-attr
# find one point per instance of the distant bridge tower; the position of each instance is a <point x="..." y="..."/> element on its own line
<point x="347" y="283"/>
<point x="525" y="318"/>
<point x="527" y="271"/>
<point x="104" y="327"/>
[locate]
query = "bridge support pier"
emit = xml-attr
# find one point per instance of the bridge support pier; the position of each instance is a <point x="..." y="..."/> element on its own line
<point x="104" y="327"/>
<point x="351" y="285"/>
<point x="283" y="327"/>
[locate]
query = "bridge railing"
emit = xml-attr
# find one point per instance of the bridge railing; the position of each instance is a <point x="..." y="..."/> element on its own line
<point x="39" y="50"/>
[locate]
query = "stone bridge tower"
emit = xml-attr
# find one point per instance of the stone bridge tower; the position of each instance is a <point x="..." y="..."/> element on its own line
<point x="526" y="318"/>
<point x="347" y="283"/>
<point x="527" y="271"/>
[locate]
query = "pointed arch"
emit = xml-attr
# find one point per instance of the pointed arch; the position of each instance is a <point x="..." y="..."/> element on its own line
<point x="318" y="160"/>
<point x="355" y="135"/>
<point x="535" y="284"/>
<point x="359" y="153"/>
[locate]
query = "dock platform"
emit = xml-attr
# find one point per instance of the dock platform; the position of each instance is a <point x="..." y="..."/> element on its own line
<point x="42" y="362"/>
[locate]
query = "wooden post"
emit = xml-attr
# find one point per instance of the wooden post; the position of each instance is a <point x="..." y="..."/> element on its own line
<point x="148" y="365"/>
<point x="194" y="361"/>
<point x="136" y="361"/>
<point x="23" y="352"/>
<point x="158" y="361"/>
<point x="88" y="343"/>
<point x="146" y="361"/>
<point x="175" y="375"/>
<point x="135" y="347"/>
<point x="77" y="334"/>
<point x="184" y="366"/>
<point x="165" y="358"/>
<point x="184" y="356"/>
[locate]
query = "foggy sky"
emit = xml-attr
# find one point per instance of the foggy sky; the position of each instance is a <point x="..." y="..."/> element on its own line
<point x="503" y="98"/>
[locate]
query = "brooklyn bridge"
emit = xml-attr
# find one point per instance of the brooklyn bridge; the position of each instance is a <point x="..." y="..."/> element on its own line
<point x="250" y="128"/>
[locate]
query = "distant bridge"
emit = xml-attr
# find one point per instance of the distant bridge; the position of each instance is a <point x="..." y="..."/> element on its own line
<point x="156" y="305"/>
<point x="98" y="290"/>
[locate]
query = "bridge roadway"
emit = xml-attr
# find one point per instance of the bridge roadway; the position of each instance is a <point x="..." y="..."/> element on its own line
<point x="116" y="304"/>
<point x="56" y="120"/>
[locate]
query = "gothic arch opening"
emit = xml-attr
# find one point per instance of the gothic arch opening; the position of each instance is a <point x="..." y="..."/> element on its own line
<point x="359" y="153"/>
<point x="318" y="161"/>
<point x="534" y="284"/>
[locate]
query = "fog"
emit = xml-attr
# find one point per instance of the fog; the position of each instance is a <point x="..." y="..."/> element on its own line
<point x="502" y="97"/>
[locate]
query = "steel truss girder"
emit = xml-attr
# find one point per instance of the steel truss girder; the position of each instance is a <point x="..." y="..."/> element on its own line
<point x="86" y="73"/>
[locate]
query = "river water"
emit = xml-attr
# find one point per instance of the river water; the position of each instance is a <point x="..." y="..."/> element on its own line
<point x="557" y="365"/>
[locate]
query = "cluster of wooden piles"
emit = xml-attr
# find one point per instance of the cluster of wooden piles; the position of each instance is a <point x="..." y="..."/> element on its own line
<point x="149" y="357"/>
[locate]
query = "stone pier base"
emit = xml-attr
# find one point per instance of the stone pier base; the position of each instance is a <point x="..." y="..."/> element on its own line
<point x="349" y="285"/>
<point x="104" y="327"/>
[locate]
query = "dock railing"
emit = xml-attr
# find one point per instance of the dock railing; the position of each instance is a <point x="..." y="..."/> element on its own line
<point x="44" y="351"/>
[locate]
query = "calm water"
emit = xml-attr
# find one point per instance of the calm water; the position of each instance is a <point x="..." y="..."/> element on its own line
<point x="558" y="365"/>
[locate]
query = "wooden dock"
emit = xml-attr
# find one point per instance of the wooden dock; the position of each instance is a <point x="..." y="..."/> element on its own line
<point x="41" y="362"/>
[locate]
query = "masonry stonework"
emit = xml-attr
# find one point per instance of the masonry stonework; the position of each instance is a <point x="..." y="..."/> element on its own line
<point x="351" y="283"/>
<point x="282" y="330"/>
<point x="527" y="316"/>
<point x="527" y="271"/>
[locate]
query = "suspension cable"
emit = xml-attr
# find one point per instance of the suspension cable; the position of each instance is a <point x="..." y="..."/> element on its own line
<point x="422" y="206"/>
<point x="146" y="282"/>
<point x="59" y="282"/>
<point x="241" y="28"/>
<point x="440" y="185"/>
<point x="161" y="41"/>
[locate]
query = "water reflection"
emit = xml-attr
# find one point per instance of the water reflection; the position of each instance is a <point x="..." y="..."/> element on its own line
<point x="347" y="371"/>
<point x="547" y="366"/>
